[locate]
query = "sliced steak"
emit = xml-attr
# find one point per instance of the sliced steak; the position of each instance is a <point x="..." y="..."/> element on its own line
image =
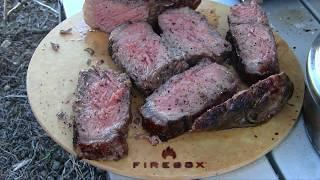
<point x="248" y="12"/>
<point x="102" y="115"/>
<point x="190" y="34"/>
<point x="247" y="108"/>
<point x="254" y="47"/>
<point x="139" y="50"/>
<point x="255" y="51"/>
<point x="170" y="110"/>
<point x="108" y="14"/>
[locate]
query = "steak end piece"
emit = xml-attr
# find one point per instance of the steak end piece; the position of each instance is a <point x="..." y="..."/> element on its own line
<point x="248" y="12"/>
<point x="190" y="33"/>
<point x="102" y="115"/>
<point x="254" y="47"/>
<point x="171" y="109"/>
<point x="250" y="107"/>
<point x="108" y="14"/>
<point x="142" y="54"/>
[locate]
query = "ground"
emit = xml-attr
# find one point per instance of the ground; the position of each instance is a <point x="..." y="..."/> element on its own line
<point x="26" y="151"/>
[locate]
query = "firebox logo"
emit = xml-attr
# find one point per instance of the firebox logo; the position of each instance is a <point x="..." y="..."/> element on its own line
<point x="169" y="152"/>
<point x="166" y="153"/>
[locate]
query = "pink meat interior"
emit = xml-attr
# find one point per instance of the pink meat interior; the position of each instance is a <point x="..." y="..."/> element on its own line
<point x="261" y="52"/>
<point x="192" y="31"/>
<point x="111" y="13"/>
<point x="194" y="91"/>
<point x="141" y="48"/>
<point x="247" y="13"/>
<point x="103" y="108"/>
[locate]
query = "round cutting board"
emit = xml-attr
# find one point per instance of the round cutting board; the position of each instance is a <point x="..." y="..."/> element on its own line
<point x="52" y="80"/>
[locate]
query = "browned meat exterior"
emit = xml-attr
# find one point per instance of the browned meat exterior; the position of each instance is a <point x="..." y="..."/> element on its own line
<point x="108" y="14"/>
<point x="140" y="51"/>
<point x="102" y="115"/>
<point x="190" y="33"/>
<point x="254" y="47"/>
<point x="171" y="109"/>
<point x="247" y="108"/>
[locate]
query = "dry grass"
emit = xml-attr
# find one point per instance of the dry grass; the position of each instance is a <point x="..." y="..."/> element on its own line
<point x="26" y="152"/>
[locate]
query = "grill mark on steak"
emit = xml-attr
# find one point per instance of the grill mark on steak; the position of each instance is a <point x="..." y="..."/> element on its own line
<point x="142" y="54"/>
<point x="170" y="110"/>
<point x="101" y="115"/>
<point x="254" y="48"/>
<point x="190" y="33"/>
<point x="250" y="107"/>
<point x="108" y="14"/>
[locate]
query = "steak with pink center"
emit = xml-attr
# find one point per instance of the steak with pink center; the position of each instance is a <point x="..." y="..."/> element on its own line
<point x="248" y="12"/>
<point x="118" y="13"/>
<point x="262" y="48"/>
<point x="190" y="32"/>
<point x="170" y="110"/>
<point x="142" y="54"/>
<point x="254" y="47"/>
<point x="106" y="15"/>
<point x="102" y="115"/>
<point x="102" y="108"/>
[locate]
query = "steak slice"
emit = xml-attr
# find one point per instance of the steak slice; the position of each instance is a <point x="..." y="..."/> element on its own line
<point x="255" y="51"/>
<point x="189" y="32"/>
<point x="254" y="46"/>
<point x="248" y="12"/>
<point x="170" y="110"/>
<point x="139" y="50"/>
<point x="247" y="108"/>
<point x="102" y="115"/>
<point x="108" y="14"/>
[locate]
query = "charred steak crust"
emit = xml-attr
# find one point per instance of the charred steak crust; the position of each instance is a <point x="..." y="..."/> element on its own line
<point x="108" y="14"/>
<point x="254" y="51"/>
<point x="171" y="109"/>
<point x="101" y="115"/>
<point x="141" y="53"/>
<point x="192" y="36"/>
<point x="248" y="108"/>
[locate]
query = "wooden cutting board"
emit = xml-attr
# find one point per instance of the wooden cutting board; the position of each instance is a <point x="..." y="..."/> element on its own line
<point x="51" y="83"/>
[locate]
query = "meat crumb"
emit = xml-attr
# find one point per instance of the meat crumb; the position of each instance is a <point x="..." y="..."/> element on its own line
<point x="61" y="115"/>
<point x="89" y="62"/>
<point x="64" y="32"/>
<point x="90" y="51"/>
<point x="153" y="140"/>
<point x="55" y="46"/>
<point x="292" y="105"/>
